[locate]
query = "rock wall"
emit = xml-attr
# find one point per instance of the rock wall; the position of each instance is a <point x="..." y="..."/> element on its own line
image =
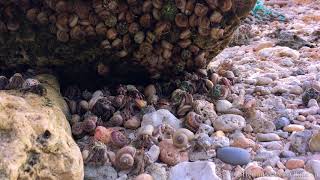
<point x="35" y="136"/>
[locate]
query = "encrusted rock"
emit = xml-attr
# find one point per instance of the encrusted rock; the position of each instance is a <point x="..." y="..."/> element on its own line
<point x="35" y="136"/>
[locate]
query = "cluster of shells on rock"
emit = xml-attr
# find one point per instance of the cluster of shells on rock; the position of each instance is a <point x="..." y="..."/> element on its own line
<point x="154" y="33"/>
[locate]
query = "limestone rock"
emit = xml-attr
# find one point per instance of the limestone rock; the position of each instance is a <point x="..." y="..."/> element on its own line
<point x="276" y="52"/>
<point x="194" y="171"/>
<point x="229" y="122"/>
<point x="35" y="136"/>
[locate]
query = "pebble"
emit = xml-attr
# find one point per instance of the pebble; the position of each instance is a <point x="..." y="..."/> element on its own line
<point x="99" y="172"/>
<point x="200" y="171"/>
<point x="299" y="174"/>
<point x="267" y="137"/>
<point x="281" y="122"/>
<point x="229" y="123"/>
<point x="287" y="154"/>
<point x="153" y="153"/>
<point x="273" y="145"/>
<point x="220" y="141"/>
<point x="294" y="163"/>
<point x="157" y="171"/>
<point x="278" y="52"/>
<point x="243" y="142"/>
<point x="233" y="155"/>
<point x="144" y="177"/>
<point x="268" y="178"/>
<point x="262" y="81"/>
<point x="299" y="141"/>
<point x="301" y="118"/>
<point x="314" y="143"/>
<point x="161" y="116"/>
<point x="297" y="90"/>
<point x="314" y="166"/>
<point x="223" y="106"/>
<point x="263" y="44"/>
<point x="293" y="127"/>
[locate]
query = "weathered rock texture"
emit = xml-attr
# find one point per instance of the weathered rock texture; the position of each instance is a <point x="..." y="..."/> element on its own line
<point x="35" y="137"/>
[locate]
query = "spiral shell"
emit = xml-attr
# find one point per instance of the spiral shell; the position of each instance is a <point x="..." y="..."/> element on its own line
<point x="62" y="36"/>
<point x="182" y="137"/>
<point x="118" y="139"/>
<point x="125" y="157"/>
<point x="193" y="121"/>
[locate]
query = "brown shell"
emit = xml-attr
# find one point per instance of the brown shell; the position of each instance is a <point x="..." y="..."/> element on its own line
<point x="181" y="20"/>
<point x="77" y="33"/>
<point x="42" y="18"/>
<point x="81" y="8"/>
<point x="193" y="121"/>
<point x="125" y="157"/>
<point x="118" y="139"/>
<point x="200" y="10"/>
<point x="62" y="36"/>
<point x="32" y="14"/>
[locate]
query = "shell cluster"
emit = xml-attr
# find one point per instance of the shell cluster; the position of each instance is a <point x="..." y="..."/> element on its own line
<point x="157" y="34"/>
<point x="18" y="82"/>
<point x="114" y="119"/>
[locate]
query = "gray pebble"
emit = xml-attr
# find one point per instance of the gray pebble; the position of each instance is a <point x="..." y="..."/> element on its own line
<point x="233" y="156"/>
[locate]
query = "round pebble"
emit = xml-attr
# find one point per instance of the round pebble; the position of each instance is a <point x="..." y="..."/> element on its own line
<point x="281" y="122"/>
<point x="294" y="163"/>
<point x="293" y="127"/>
<point x="233" y="155"/>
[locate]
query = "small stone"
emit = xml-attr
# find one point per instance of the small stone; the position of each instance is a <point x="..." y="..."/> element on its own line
<point x="153" y="153"/>
<point x="243" y="142"/>
<point x="229" y="122"/>
<point x="200" y="170"/>
<point x="281" y="122"/>
<point x="233" y="155"/>
<point x="287" y="154"/>
<point x="314" y="143"/>
<point x="201" y="155"/>
<point x="254" y="170"/>
<point x="157" y="171"/>
<point x="220" y="141"/>
<point x="273" y="145"/>
<point x="299" y="141"/>
<point x="278" y="52"/>
<point x="297" y="90"/>
<point x="299" y="174"/>
<point x="280" y="165"/>
<point x="293" y="128"/>
<point x="301" y="118"/>
<point x="262" y="81"/>
<point x="170" y="154"/>
<point x="314" y="166"/>
<point x="294" y="163"/>
<point x="100" y="172"/>
<point x="311" y="118"/>
<point x="268" y="178"/>
<point x="161" y="116"/>
<point x="269" y="171"/>
<point x="262" y="45"/>
<point x="223" y="106"/>
<point x="144" y="176"/>
<point x="267" y="137"/>
<point x="312" y="103"/>
<point x="286" y="62"/>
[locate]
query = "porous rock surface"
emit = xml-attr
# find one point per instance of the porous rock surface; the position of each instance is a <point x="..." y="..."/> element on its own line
<point x="35" y="137"/>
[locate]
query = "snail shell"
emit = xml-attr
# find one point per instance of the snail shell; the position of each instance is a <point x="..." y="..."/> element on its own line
<point x="182" y="137"/>
<point x="125" y="157"/>
<point x="119" y="139"/>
